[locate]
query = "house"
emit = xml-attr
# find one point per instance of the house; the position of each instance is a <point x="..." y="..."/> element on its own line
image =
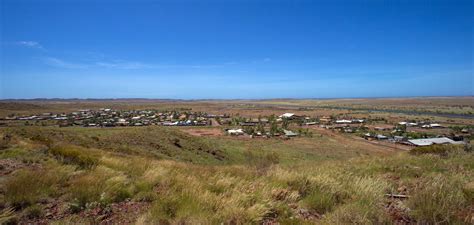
<point x="287" y="115"/>
<point x="432" y="141"/>
<point x="248" y="124"/>
<point x="122" y="122"/>
<point x="170" y="123"/>
<point x="399" y="138"/>
<point x="290" y="133"/>
<point x="348" y="130"/>
<point x="382" y="127"/>
<point x="261" y="120"/>
<point x="381" y="137"/>
<point x="235" y="131"/>
<point x="325" y="119"/>
<point x="343" y="121"/>
<point x="358" y="121"/>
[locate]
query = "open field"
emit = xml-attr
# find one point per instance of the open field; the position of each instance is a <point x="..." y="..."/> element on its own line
<point x="201" y="175"/>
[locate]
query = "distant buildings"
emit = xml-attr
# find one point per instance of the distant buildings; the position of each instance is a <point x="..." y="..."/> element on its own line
<point x="432" y="141"/>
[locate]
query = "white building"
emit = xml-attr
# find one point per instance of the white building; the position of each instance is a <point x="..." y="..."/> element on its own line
<point x="432" y="141"/>
<point x="235" y="132"/>
<point x="287" y="115"/>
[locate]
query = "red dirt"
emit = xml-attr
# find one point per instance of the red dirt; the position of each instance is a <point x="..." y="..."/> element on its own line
<point x="203" y="132"/>
<point x="8" y="166"/>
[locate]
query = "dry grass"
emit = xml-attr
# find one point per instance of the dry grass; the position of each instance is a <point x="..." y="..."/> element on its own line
<point x="253" y="190"/>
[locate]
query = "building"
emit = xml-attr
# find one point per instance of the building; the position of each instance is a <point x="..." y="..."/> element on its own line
<point x="290" y="133"/>
<point x="381" y="137"/>
<point x="287" y="115"/>
<point x="235" y="131"/>
<point x="432" y="141"/>
<point x="343" y="121"/>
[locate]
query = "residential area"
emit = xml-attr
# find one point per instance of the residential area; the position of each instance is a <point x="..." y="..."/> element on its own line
<point x="286" y="125"/>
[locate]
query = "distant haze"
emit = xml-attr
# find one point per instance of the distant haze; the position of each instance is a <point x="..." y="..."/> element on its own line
<point x="235" y="49"/>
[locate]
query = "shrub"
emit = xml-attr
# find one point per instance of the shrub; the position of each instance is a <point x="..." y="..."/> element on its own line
<point x="300" y="184"/>
<point x="437" y="200"/>
<point x="357" y="213"/>
<point x="468" y="191"/>
<point x="441" y="150"/>
<point x="74" y="155"/>
<point x="7" y="216"/>
<point x="180" y="207"/>
<point x="13" y="220"/>
<point x="5" y="142"/>
<point x="146" y="196"/>
<point x="98" y="187"/>
<point x="27" y="186"/>
<point x="261" y="161"/>
<point x="34" y="211"/>
<point x="86" y="189"/>
<point x="320" y="201"/>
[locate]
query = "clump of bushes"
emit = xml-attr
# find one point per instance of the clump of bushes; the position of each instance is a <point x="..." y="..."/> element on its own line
<point x="177" y="207"/>
<point x="98" y="187"/>
<point x="26" y="187"/>
<point x="5" y="141"/>
<point x="316" y="197"/>
<point x="438" y="200"/>
<point x="74" y="155"/>
<point x="320" y="200"/>
<point x="261" y="161"/>
<point x="34" y="211"/>
<point x="442" y="150"/>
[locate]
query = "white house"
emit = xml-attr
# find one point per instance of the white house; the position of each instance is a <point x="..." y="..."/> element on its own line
<point x="432" y="141"/>
<point x="290" y="133"/>
<point x="235" y="132"/>
<point x="287" y="115"/>
<point x="343" y="121"/>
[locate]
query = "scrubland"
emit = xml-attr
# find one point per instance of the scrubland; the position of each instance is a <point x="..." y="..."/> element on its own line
<point x="164" y="176"/>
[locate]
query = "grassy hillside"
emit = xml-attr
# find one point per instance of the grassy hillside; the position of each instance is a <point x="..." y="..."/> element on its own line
<point x="145" y="176"/>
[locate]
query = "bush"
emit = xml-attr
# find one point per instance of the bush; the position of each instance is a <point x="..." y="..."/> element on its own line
<point x="468" y="191"/>
<point x="320" y="201"/>
<point x="86" y="189"/>
<point x="34" y="211"/>
<point x="437" y="200"/>
<point x="27" y="186"/>
<point x="98" y="187"/>
<point x="261" y="161"/>
<point x="441" y="150"/>
<point x="74" y="155"/>
<point x="5" y="142"/>
<point x="300" y="184"/>
<point x="7" y="216"/>
<point x="357" y="213"/>
<point x="180" y="207"/>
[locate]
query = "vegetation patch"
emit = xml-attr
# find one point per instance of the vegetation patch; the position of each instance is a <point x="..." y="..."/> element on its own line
<point x="74" y="155"/>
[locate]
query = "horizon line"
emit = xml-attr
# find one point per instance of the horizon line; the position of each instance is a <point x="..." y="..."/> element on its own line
<point x="231" y="99"/>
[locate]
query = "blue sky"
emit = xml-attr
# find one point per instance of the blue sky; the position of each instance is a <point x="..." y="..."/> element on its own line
<point x="235" y="49"/>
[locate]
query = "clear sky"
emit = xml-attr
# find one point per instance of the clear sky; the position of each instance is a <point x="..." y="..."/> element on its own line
<point x="235" y="49"/>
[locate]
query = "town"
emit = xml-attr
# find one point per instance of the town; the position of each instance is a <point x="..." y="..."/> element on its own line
<point x="286" y="125"/>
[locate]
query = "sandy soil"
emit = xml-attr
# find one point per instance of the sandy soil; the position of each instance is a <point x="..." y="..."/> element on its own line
<point x="203" y="132"/>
